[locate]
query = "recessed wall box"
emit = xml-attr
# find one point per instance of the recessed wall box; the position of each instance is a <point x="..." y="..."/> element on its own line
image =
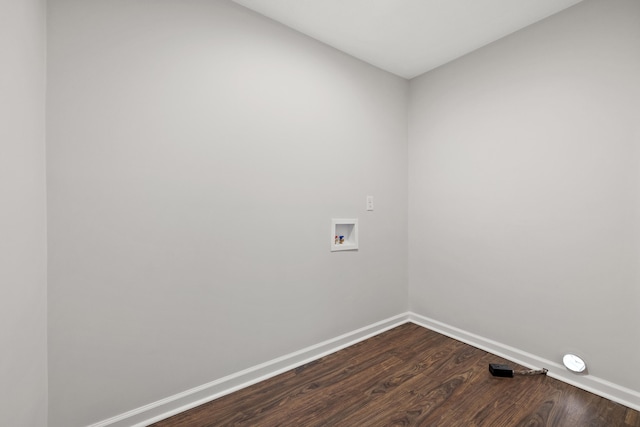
<point x="344" y="234"/>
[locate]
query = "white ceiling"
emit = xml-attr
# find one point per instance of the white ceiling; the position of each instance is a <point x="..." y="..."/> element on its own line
<point x="407" y="37"/>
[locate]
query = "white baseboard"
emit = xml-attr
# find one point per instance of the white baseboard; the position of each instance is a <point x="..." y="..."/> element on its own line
<point x="189" y="399"/>
<point x="595" y="385"/>
<point x="156" y="411"/>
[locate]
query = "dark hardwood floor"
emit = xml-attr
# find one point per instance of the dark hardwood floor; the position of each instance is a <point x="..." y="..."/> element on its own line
<point x="408" y="376"/>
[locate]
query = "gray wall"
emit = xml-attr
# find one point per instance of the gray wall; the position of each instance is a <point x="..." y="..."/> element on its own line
<point x="524" y="188"/>
<point x="196" y="155"/>
<point x="197" y="152"/>
<point x="23" y="330"/>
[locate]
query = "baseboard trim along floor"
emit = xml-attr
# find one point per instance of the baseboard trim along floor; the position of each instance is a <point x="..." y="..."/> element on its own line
<point x="590" y="383"/>
<point x="189" y="399"/>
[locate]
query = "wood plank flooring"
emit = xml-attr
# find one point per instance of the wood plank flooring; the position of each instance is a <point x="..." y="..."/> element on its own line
<point x="408" y="376"/>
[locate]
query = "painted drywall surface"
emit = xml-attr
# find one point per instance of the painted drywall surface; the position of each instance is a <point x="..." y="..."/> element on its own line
<point x="23" y="298"/>
<point x="196" y="155"/>
<point x="524" y="190"/>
